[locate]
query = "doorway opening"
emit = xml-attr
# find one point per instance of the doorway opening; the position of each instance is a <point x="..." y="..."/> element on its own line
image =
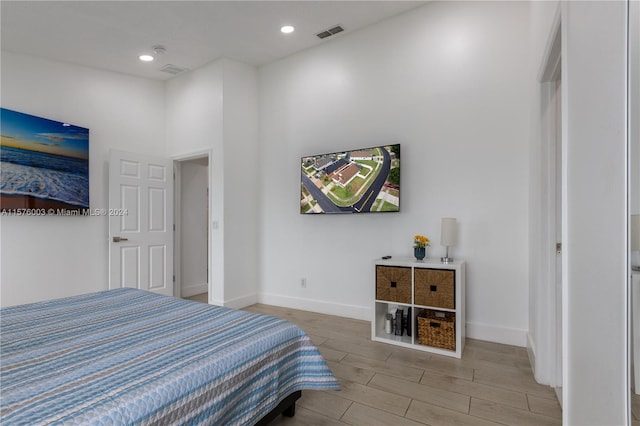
<point x="192" y="228"/>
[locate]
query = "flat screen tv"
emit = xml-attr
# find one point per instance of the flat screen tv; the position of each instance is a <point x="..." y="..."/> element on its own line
<point x="363" y="180"/>
<point x="44" y="166"/>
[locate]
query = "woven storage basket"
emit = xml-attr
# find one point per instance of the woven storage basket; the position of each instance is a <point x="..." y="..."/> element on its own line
<point x="438" y="329"/>
<point x="393" y="283"/>
<point x="435" y="287"/>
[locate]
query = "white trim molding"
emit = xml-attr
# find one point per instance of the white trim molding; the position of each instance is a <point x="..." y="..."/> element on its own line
<point x="329" y="308"/>
<point x="193" y="289"/>
<point x="241" y="302"/>
<point x="508" y="336"/>
<point x="492" y="333"/>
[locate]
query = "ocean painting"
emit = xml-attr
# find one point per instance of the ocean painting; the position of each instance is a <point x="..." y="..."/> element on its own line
<point x="44" y="165"/>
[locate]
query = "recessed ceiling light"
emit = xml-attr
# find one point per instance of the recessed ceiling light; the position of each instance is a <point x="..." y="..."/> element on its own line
<point x="287" y="29"/>
<point x="146" y="58"/>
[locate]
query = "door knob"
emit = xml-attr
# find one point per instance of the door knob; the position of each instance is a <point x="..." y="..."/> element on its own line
<point x="118" y="239"/>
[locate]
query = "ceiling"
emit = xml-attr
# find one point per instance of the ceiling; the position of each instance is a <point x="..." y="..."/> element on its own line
<point x="110" y="35"/>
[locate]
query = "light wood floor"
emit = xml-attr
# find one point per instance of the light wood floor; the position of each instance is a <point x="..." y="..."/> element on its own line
<point x="387" y="385"/>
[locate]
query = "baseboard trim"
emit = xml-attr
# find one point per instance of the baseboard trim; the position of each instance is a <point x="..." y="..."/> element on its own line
<point x="558" y="392"/>
<point x="531" y="353"/>
<point x="312" y="305"/>
<point x="492" y="333"/>
<point x="193" y="289"/>
<point x="241" y="302"/>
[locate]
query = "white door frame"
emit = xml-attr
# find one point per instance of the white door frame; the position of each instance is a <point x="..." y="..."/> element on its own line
<point x="548" y="314"/>
<point x="177" y="267"/>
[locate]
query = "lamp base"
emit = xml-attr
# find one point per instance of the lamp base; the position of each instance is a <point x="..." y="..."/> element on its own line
<point x="446" y="259"/>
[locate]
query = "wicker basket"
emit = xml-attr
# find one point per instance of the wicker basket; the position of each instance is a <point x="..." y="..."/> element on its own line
<point x="393" y="284"/>
<point x="435" y="287"/>
<point x="438" y="329"/>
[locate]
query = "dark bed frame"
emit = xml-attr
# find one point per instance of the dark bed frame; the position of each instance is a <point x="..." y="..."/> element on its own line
<point x="287" y="407"/>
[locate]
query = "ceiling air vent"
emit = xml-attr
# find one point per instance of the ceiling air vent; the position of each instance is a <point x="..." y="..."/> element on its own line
<point x="173" y="69"/>
<point x="331" y="31"/>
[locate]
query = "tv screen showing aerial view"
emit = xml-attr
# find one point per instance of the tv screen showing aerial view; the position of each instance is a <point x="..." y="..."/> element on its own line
<point x="359" y="181"/>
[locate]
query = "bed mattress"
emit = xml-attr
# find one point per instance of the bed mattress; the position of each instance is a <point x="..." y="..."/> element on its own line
<point x="128" y="356"/>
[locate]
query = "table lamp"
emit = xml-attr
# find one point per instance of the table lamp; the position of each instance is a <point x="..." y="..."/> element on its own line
<point x="448" y="236"/>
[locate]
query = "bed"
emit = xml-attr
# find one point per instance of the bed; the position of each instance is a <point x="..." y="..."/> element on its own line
<point x="128" y="356"/>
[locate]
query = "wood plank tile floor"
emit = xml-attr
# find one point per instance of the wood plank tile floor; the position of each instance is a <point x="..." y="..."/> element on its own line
<point x="388" y="385"/>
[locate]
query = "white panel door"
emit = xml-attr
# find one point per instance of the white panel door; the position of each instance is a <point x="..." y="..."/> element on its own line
<point x="140" y="222"/>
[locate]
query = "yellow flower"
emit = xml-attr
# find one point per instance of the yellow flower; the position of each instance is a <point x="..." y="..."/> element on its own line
<point x="421" y="241"/>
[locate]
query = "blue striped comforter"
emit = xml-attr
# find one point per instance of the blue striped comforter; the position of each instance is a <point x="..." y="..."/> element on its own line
<point x="131" y="357"/>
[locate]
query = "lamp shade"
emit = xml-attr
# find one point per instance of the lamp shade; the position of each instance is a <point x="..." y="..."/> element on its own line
<point x="449" y="231"/>
<point x="635" y="232"/>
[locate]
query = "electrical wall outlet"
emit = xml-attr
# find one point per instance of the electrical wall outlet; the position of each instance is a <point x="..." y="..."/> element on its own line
<point x="303" y="282"/>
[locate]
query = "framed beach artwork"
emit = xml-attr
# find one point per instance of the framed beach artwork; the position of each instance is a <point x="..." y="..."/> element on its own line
<point x="44" y="165"/>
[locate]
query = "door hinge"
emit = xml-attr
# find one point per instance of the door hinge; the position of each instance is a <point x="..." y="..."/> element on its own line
<point x="174" y="278"/>
<point x="558" y="248"/>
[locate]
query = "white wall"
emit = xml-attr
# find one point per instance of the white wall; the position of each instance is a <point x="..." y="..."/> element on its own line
<point x="449" y="81"/>
<point x="596" y="273"/>
<point x="193" y="124"/>
<point x="50" y="257"/>
<point x="241" y="201"/>
<point x="634" y="113"/>
<point x="214" y="108"/>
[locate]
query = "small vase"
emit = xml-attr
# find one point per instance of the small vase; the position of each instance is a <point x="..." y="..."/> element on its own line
<point x="419" y="252"/>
